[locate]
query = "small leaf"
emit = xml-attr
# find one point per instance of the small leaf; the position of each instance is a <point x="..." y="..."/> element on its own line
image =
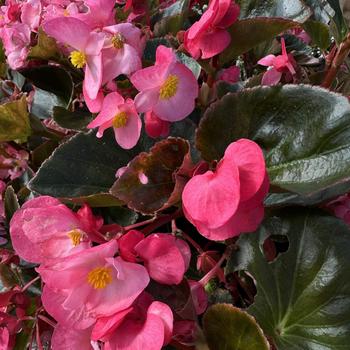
<point x="77" y="120"/>
<point x="188" y="61"/>
<point x="249" y="33"/>
<point x="14" y="121"/>
<point x="153" y="181"/>
<point x="306" y="153"/>
<point x="149" y="53"/>
<point x="303" y="297"/>
<point x="45" y="49"/>
<point x="171" y="19"/>
<point x="83" y="169"/>
<point x="11" y="203"/>
<point x="229" y="328"/>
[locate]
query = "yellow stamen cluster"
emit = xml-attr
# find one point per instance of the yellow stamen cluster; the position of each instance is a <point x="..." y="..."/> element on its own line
<point x="118" y="41"/>
<point x="169" y="87"/>
<point x="75" y="236"/>
<point x="120" y="120"/>
<point x="78" y="59"/>
<point x="100" y="277"/>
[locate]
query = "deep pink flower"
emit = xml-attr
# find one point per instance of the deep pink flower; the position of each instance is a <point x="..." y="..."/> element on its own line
<point x="85" y="46"/>
<point x="66" y="338"/>
<point x="92" y="284"/>
<point x="127" y="244"/>
<point x="199" y="296"/>
<point x="341" y="207"/>
<point x="122" y="116"/>
<point x="122" y="51"/>
<point x="168" y="88"/>
<point x="230" y="75"/>
<point x="166" y="257"/>
<point x="208" y="36"/>
<point x="277" y="66"/>
<point x="146" y="325"/>
<point x="45" y="229"/>
<point x="156" y="127"/>
<point x="231" y="197"/>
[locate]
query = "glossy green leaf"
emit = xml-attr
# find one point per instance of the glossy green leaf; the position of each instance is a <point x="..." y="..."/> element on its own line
<point x="188" y="61"/>
<point x="319" y="33"/>
<point x="248" y="33"/>
<point x="302" y="129"/>
<point x="77" y="120"/>
<point x="153" y="181"/>
<point x="83" y="168"/>
<point x="295" y="10"/>
<point x="53" y="87"/>
<point x="14" y="121"/>
<point x="171" y="19"/>
<point x="45" y="49"/>
<point x="229" y="328"/>
<point x="303" y="297"/>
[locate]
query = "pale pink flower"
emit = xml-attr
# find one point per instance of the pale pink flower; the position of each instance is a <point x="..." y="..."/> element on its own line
<point x="122" y="116"/>
<point x="209" y="36"/>
<point x="165" y="257"/>
<point x="278" y="65"/>
<point x="92" y="284"/>
<point x="122" y="51"/>
<point x="45" y="229"/>
<point x="86" y="48"/>
<point x="168" y="88"/>
<point x="231" y="197"/>
<point x="31" y="13"/>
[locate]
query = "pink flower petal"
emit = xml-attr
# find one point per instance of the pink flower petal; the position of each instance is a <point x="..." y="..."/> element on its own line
<point x="68" y="30"/>
<point x="271" y="77"/>
<point x="93" y="75"/>
<point x="214" y="42"/>
<point x="267" y="60"/>
<point x="71" y="339"/>
<point x="146" y="100"/>
<point x="150" y="77"/>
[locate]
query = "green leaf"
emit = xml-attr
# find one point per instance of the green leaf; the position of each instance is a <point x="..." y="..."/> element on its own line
<point x="303" y="130"/>
<point x="171" y="19"/>
<point x="77" y="120"/>
<point x="83" y="169"/>
<point x="53" y="87"/>
<point x="319" y="33"/>
<point x="295" y="10"/>
<point x="11" y="203"/>
<point x="303" y="297"/>
<point x="249" y="33"/>
<point x="229" y="328"/>
<point x="149" y="53"/>
<point x="154" y="181"/>
<point x="45" y="49"/>
<point x="14" y="121"/>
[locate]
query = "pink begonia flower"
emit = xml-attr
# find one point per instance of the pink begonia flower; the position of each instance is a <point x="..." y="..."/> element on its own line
<point x="16" y="41"/>
<point x="127" y="244"/>
<point x="165" y="257"/>
<point x="93" y="283"/>
<point x="31" y="13"/>
<point x="146" y="326"/>
<point x="86" y="47"/>
<point x="277" y="66"/>
<point x="46" y="229"/>
<point x="9" y="326"/>
<point x="301" y="34"/>
<point x="231" y="197"/>
<point x="122" y="116"/>
<point x="208" y="36"/>
<point x="168" y="88"/>
<point x="71" y="339"/>
<point x="122" y="51"/>
<point x="199" y="296"/>
<point x="230" y="75"/>
<point x="156" y="127"/>
<point x="13" y="162"/>
<point x="55" y="10"/>
<point x="2" y="212"/>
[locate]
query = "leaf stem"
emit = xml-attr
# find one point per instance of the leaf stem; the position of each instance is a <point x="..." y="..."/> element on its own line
<point x="340" y="56"/>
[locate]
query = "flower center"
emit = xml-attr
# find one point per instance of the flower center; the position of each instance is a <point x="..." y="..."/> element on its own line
<point x="169" y="88"/>
<point x="118" y="41"/>
<point x="100" y="277"/>
<point x="75" y="236"/>
<point x="120" y="120"/>
<point x="78" y="59"/>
